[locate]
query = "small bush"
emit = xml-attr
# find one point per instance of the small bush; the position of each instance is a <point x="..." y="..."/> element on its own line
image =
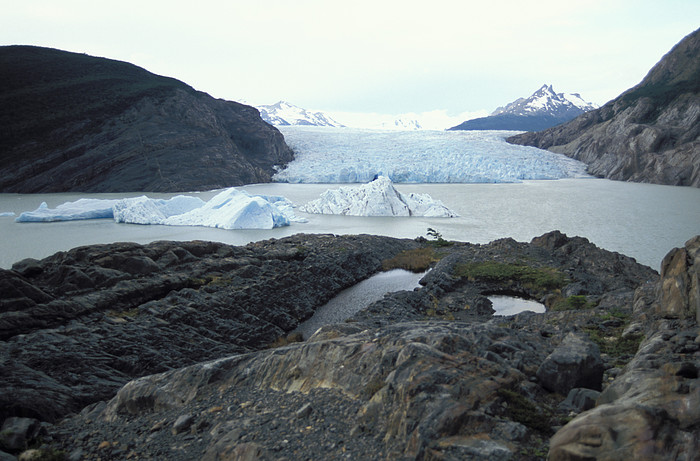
<point x="437" y="239"/>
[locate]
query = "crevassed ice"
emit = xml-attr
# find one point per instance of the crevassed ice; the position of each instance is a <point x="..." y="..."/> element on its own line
<point x="349" y="155"/>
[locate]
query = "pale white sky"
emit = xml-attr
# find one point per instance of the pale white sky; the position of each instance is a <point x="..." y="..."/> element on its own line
<point x="369" y="56"/>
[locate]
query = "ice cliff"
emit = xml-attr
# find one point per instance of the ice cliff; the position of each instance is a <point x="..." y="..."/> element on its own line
<point x="346" y="155"/>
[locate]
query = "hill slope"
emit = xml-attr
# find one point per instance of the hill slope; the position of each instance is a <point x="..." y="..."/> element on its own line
<point x="72" y="122"/>
<point x="650" y="133"/>
<point x="543" y="109"/>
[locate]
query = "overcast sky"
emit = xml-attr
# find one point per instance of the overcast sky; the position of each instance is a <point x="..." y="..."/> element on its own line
<point x="387" y="57"/>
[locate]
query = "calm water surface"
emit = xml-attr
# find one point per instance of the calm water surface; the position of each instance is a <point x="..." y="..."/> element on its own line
<point x="640" y="220"/>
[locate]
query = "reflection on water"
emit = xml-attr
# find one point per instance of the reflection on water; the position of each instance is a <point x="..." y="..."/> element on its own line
<point x="510" y="305"/>
<point x="359" y="296"/>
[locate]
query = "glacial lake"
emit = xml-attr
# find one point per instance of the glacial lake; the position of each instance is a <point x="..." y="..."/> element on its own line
<point x="644" y="221"/>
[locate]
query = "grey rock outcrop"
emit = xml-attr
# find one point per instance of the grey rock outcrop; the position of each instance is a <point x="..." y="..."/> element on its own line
<point x="650" y="133"/>
<point x="16" y="433"/>
<point x="426" y="374"/>
<point x="127" y="130"/>
<point x="78" y="325"/>
<point x="652" y="409"/>
<point x="678" y="294"/>
<point x="574" y="363"/>
<point x="422" y="374"/>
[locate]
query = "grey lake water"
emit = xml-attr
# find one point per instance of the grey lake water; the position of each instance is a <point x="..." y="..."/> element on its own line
<point x="357" y="297"/>
<point x="640" y="220"/>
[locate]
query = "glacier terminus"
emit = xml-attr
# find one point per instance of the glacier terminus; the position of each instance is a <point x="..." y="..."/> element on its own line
<point x="351" y="155"/>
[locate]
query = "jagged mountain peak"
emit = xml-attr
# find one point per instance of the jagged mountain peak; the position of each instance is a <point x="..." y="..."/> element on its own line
<point x="543" y="109"/>
<point x="547" y="101"/>
<point x="283" y="113"/>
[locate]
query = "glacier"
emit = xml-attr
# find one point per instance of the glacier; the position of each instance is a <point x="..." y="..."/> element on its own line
<point x="229" y="209"/>
<point x="349" y="155"/>
<point x="377" y="198"/>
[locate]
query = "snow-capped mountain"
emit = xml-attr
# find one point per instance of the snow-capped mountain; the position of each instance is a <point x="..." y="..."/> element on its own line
<point x="283" y="113"/>
<point x="546" y="100"/>
<point x="544" y="109"/>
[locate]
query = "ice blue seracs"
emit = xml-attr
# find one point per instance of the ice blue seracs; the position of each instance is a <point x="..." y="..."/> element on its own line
<point x="348" y="155"/>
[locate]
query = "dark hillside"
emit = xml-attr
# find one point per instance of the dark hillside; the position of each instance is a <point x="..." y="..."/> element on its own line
<point x="63" y="112"/>
<point x="43" y="89"/>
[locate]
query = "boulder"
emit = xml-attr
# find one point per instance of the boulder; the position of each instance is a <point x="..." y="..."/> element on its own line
<point x="678" y="294"/>
<point x="580" y="399"/>
<point x="614" y="432"/>
<point x="576" y="362"/>
<point x="16" y="433"/>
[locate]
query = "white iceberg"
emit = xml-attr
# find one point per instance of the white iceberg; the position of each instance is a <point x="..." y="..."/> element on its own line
<point x="377" y="198"/>
<point x="346" y="155"/>
<point x="144" y="210"/>
<point x="230" y="209"/>
<point x="6" y="214"/>
<point x="234" y="209"/>
<point x="84" y="208"/>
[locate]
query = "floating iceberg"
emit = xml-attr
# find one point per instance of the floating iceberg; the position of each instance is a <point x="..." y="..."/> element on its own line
<point x="230" y="209"/>
<point x="346" y="155"/>
<point x="234" y="209"/>
<point x="377" y="198"/>
<point x="6" y="214"/>
<point x="144" y="210"/>
<point x="84" y="208"/>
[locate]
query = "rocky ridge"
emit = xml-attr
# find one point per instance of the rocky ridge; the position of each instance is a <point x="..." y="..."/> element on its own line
<point x="426" y="374"/>
<point x="650" y="133"/>
<point x="73" y="122"/>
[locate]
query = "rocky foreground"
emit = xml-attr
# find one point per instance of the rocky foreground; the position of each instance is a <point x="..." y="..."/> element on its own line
<point x="168" y="351"/>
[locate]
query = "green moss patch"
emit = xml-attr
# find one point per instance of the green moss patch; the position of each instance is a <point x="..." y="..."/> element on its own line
<point x="535" y="278"/>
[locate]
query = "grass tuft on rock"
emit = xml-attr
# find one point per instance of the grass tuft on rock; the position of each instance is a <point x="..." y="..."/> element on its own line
<point x="525" y="412"/>
<point x="417" y="260"/>
<point x="575" y="302"/>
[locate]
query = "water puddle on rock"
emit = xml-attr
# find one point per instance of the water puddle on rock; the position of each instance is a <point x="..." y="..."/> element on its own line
<point x="359" y="296"/>
<point x="511" y="305"/>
